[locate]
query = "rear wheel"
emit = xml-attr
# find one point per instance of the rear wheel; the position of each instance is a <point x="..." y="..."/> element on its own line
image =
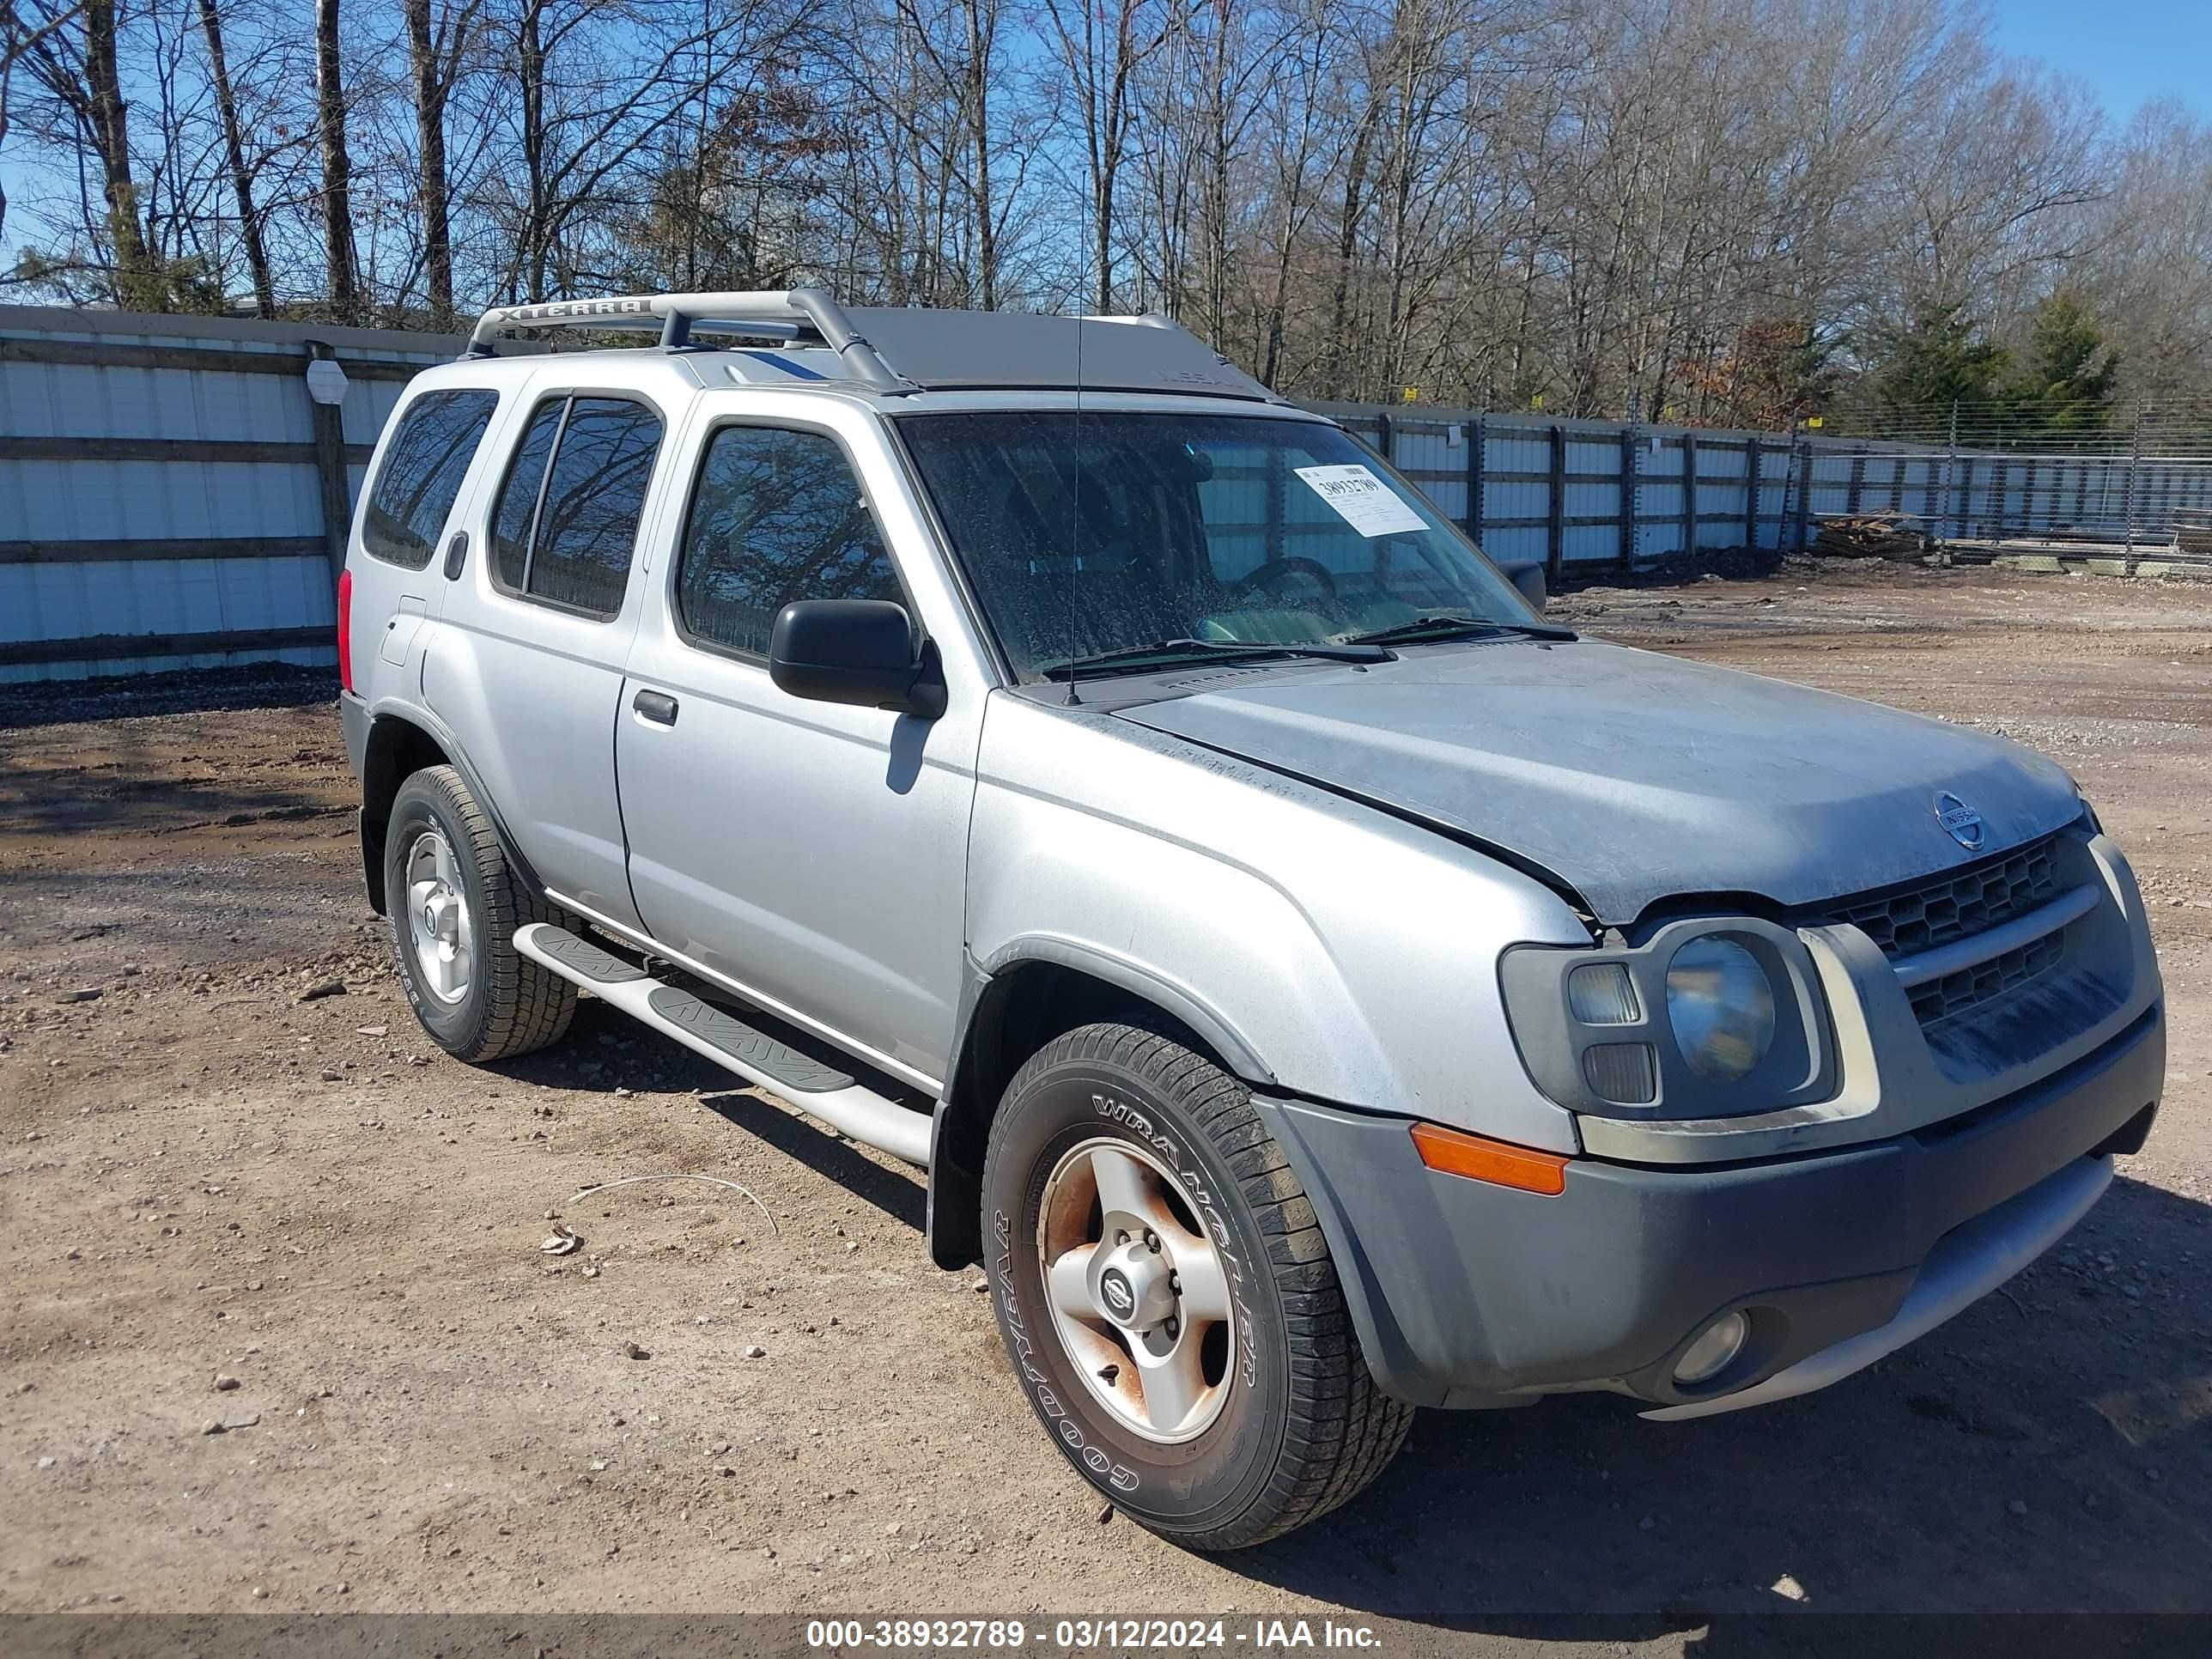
<point x="1167" y="1297"/>
<point x="455" y="903"/>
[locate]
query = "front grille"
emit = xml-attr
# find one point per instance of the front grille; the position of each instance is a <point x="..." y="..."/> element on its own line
<point x="1959" y="905"/>
<point x="1955" y="994"/>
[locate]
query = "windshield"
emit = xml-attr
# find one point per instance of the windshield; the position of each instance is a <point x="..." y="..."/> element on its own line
<point x="1088" y="533"/>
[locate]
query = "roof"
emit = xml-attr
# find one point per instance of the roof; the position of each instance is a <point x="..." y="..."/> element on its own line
<point x="901" y="351"/>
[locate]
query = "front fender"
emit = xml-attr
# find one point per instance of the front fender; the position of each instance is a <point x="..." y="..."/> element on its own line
<point x="1324" y="948"/>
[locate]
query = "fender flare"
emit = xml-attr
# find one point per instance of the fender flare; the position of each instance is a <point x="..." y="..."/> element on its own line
<point x="1146" y="983"/>
<point x="959" y="1127"/>
<point x="439" y="732"/>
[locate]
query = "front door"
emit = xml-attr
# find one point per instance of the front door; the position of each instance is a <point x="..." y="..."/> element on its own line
<point x="811" y="853"/>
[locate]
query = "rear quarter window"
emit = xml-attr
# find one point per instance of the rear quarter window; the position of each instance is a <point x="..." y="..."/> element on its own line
<point x="421" y="478"/>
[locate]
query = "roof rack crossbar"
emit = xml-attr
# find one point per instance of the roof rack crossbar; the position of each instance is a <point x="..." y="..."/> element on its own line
<point x="786" y="313"/>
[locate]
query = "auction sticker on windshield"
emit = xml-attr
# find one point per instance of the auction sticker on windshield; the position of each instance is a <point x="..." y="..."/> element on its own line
<point x="1362" y="500"/>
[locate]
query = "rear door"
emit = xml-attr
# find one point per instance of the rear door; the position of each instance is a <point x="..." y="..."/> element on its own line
<point x="813" y="854"/>
<point x="526" y="669"/>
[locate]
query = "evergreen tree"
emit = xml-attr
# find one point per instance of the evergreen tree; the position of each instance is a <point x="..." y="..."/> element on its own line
<point x="2067" y="382"/>
<point x="1935" y="360"/>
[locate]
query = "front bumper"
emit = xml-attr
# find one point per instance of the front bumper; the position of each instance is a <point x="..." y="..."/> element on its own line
<point x="1468" y="1294"/>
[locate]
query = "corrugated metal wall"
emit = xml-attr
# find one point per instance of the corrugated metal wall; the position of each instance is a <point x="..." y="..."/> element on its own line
<point x="170" y="496"/>
<point x="164" y="482"/>
<point x="1583" y="496"/>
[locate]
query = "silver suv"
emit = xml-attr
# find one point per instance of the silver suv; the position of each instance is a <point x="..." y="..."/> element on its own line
<point x="1316" y="985"/>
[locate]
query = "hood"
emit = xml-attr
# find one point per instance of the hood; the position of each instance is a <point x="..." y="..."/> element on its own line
<point x="1635" y="776"/>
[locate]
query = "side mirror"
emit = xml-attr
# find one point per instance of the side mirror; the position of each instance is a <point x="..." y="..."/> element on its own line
<point x="1528" y="576"/>
<point x="854" y="651"/>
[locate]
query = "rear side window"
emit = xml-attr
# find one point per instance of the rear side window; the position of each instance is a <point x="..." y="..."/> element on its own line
<point x="518" y="498"/>
<point x="567" y="520"/>
<point x="777" y="517"/>
<point x="423" y="466"/>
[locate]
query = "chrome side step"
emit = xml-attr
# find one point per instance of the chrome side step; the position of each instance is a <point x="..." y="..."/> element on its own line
<point x="817" y="1090"/>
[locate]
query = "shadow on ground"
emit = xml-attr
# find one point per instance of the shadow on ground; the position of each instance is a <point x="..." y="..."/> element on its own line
<point x="196" y="691"/>
<point x="2051" y="1448"/>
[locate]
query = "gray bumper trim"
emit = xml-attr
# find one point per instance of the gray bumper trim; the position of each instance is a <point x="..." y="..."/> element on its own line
<point x="1964" y="1267"/>
<point x="1465" y="1293"/>
<point x="354" y="722"/>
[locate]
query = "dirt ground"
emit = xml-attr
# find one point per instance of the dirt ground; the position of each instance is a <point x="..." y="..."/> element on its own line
<point x="208" y="1172"/>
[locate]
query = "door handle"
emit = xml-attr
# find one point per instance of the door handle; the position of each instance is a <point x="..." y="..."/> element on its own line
<point x="457" y="553"/>
<point x="656" y="706"/>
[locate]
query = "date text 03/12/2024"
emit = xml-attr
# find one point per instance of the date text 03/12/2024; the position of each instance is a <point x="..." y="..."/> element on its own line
<point x="1082" y="1635"/>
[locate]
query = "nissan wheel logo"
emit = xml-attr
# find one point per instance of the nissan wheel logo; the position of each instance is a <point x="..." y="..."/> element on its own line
<point x="1121" y="1300"/>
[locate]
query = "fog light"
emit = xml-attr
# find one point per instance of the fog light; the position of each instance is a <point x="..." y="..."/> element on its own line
<point x="1714" y="1351"/>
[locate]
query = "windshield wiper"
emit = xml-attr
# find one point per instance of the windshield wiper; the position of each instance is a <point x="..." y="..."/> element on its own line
<point x="1421" y="628"/>
<point x="1128" y="657"/>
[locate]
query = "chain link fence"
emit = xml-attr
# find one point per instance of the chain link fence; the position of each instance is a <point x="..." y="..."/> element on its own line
<point x="1976" y="476"/>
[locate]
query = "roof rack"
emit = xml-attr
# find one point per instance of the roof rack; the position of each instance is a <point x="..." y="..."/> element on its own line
<point x="934" y="349"/>
<point x="772" y="313"/>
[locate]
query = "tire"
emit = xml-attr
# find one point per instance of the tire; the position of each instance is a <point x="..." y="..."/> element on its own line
<point x="1285" y="1422"/>
<point x="477" y="996"/>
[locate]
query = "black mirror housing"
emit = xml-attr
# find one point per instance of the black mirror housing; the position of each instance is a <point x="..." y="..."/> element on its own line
<point x="858" y="652"/>
<point x="1527" y="576"/>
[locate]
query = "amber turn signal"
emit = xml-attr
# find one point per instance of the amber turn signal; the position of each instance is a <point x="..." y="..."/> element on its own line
<point x="1455" y="1151"/>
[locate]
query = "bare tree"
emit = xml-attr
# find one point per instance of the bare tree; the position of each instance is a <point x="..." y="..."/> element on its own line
<point x="251" y="233"/>
<point x="1660" y="207"/>
<point x="19" y="33"/>
<point x="1100" y="45"/>
<point x="337" y="167"/>
<point x="76" y="61"/>
<point x="434" y="54"/>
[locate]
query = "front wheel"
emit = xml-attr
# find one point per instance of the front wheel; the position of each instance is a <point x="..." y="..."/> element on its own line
<point x="1167" y="1298"/>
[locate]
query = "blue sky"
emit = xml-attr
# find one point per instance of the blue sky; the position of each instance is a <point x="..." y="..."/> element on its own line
<point x="2128" y="51"/>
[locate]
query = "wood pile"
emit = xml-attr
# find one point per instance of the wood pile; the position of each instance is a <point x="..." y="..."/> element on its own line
<point x="1873" y="536"/>
<point x="2192" y="531"/>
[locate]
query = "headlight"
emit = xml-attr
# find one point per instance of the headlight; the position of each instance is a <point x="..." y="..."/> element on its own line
<point x="1721" y="1003"/>
<point x="1708" y="1016"/>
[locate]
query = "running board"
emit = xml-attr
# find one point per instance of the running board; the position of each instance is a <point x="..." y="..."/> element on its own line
<point x="817" y="1090"/>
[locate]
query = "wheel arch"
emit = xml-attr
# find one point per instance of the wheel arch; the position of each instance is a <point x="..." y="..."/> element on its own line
<point x="400" y="744"/>
<point x="1030" y="992"/>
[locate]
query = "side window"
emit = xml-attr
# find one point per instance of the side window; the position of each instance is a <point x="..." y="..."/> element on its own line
<point x="568" y="515"/>
<point x="518" y="496"/>
<point x="777" y="517"/>
<point x="423" y="466"/>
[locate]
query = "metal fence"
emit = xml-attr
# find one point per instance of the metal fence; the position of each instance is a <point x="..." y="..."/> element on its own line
<point x="172" y="496"/>
<point x="2137" y="475"/>
<point x="1585" y="495"/>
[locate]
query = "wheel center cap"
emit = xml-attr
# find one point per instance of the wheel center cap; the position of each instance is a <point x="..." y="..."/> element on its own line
<point x="1131" y="1285"/>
